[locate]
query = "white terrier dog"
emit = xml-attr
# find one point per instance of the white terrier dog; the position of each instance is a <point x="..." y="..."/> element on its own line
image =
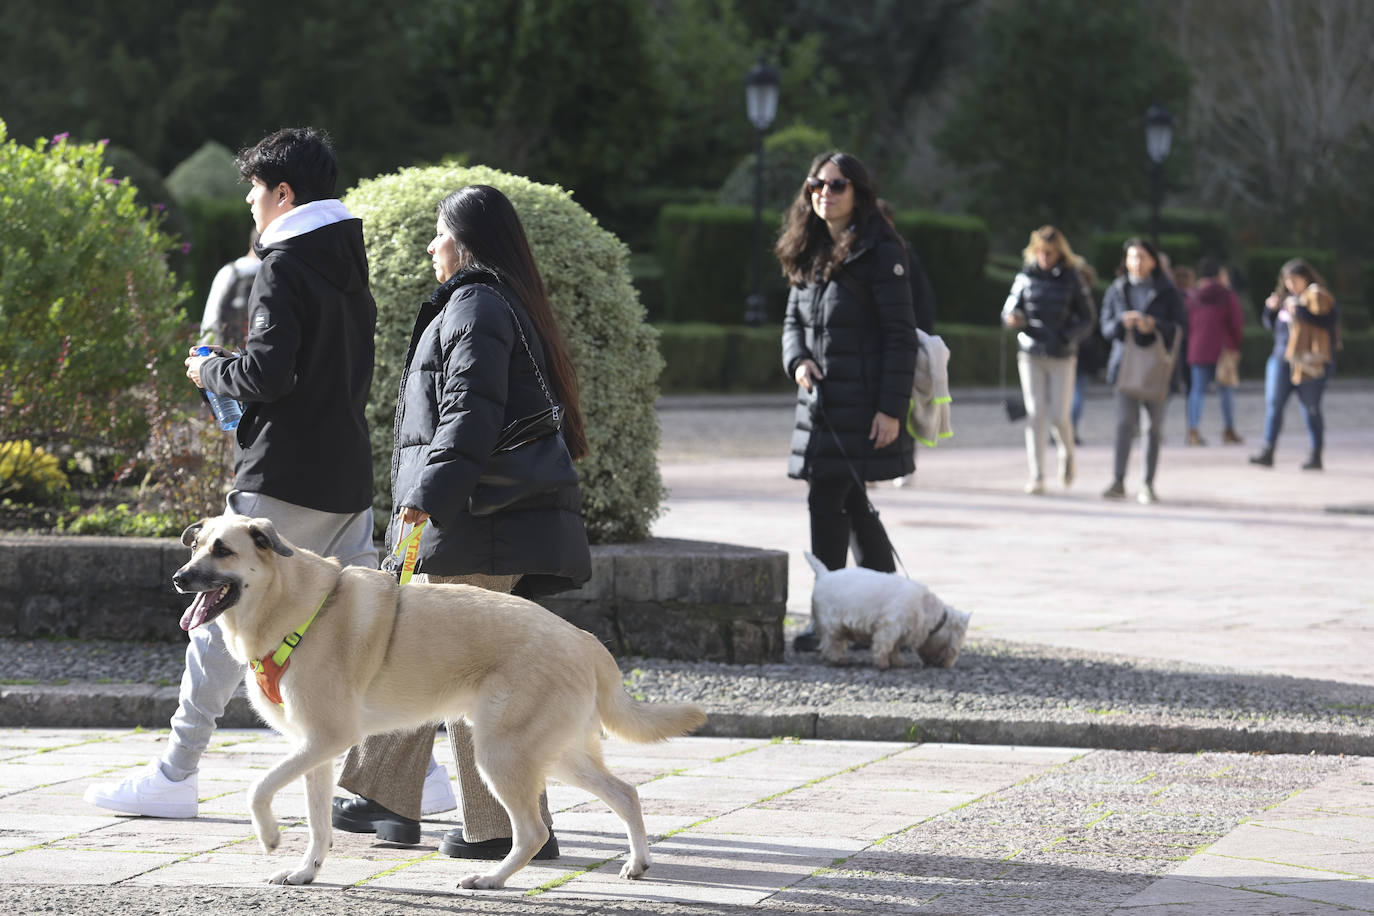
<point x="886" y="609"/>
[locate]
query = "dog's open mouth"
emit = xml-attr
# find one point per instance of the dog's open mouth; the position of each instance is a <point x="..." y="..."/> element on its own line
<point x="209" y="605"/>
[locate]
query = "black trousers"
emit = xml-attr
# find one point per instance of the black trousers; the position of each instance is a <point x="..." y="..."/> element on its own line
<point x="841" y="520"/>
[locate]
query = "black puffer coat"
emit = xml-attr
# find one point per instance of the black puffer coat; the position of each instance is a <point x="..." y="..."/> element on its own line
<point x="1057" y="307"/>
<point x="861" y="332"/>
<point x="466" y="378"/>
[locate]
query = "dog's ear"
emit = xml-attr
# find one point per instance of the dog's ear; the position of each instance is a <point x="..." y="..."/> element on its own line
<point x="264" y="534"/>
<point x="188" y="537"/>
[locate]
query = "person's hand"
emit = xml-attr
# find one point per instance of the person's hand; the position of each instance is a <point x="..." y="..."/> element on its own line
<point x="1130" y="319"/>
<point x="1145" y="324"/>
<point x="1014" y="320"/>
<point x="412" y="516"/>
<point x="1272" y="303"/>
<point x="884" y="430"/>
<point x="193" y="364"/>
<point x="807" y="373"/>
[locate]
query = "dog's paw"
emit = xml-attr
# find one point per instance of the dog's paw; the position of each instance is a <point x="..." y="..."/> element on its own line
<point x="269" y="838"/>
<point x="303" y="875"/>
<point x="481" y="882"/>
<point x="634" y="869"/>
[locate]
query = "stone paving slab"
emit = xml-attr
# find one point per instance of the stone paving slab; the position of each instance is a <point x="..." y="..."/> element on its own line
<point x="742" y="825"/>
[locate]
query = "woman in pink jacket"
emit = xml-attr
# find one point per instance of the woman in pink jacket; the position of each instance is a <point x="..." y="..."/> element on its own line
<point x="1214" y="324"/>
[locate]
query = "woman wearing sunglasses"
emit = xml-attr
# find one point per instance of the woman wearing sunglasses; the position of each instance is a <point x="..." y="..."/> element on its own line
<point x="849" y="342"/>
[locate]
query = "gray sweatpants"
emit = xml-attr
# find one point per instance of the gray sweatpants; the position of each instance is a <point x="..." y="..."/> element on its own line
<point x="1047" y="387"/>
<point x="1127" y="421"/>
<point x="212" y="675"/>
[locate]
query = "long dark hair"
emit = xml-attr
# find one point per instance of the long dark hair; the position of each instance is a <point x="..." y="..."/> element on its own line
<point x="805" y="248"/>
<point x="485" y="225"/>
<point x="1298" y="267"/>
<point x="1157" y="272"/>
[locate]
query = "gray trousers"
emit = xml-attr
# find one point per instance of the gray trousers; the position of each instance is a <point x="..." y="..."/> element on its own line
<point x="390" y="768"/>
<point x="212" y="675"/>
<point x="1047" y="387"/>
<point x="1127" y="421"/>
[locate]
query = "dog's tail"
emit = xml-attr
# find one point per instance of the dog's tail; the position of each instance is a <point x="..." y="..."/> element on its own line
<point x="817" y="566"/>
<point x="636" y="720"/>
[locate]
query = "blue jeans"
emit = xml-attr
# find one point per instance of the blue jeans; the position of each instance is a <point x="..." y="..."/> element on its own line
<point x="1203" y="374"/>
<point x="1278" y="385"/>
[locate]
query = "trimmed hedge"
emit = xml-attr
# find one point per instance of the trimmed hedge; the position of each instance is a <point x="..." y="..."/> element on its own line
<point x="585" y="271"/>
<point x="1182" y="248"/>
<point x="1211" y="229"/>
<point x="704" y="252"/>
<point x="1262" y="268"/>
<point x="219" y="233"/>
<point x="708" y="357"/>
<point x="953" y="249"/>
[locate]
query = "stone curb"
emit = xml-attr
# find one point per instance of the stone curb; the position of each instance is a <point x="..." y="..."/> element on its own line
<point x="136" y="705"/>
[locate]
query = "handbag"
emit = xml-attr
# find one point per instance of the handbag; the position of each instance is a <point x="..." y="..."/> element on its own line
<point x="1146" y="369"/>
<point x="1228" y="368"/>
<point x="1014" y="406"/>
<point x="530" y="457"/>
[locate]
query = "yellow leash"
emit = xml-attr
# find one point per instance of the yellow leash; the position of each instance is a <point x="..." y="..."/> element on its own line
<point x="269" y="670"/>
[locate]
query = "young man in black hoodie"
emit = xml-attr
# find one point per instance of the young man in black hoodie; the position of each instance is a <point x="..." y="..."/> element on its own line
<point x="302" y="458"/>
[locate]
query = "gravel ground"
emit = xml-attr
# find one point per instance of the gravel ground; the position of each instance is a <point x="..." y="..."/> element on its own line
<point x="992" y="680"/>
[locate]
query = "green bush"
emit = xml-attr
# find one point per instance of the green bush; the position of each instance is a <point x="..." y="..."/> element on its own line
<point x="208" y="172"/>
<point x="88" y="308"/>
<point x="787" y="155"/>
<point x="1104" y="255"/>
<point x="953" y="249"/>
<point x="704" y="251"/>
<point x="123" y="522"/>
<point x="1262" y="268"/>
<point x="219" y="230"/>
<point x="588" y="281"/>
<point x="715" y="357"/>
<point x="1212" y="230"/>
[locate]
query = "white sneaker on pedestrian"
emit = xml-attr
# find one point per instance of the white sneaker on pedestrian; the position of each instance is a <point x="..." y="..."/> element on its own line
<point x="149" y="794"/>
<point x="438" y="795"/>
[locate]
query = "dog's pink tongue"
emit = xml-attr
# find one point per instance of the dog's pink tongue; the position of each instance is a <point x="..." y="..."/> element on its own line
<point x="195" y="614"/>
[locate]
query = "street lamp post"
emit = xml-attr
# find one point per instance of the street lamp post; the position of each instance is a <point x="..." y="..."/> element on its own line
<point x="761" y="105"/>
<point x="1159" y="136"/>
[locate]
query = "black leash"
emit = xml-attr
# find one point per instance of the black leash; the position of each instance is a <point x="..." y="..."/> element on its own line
<point x="819" y="414"/>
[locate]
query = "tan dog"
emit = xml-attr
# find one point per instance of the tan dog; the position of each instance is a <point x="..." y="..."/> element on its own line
<point x="378" y="657"/>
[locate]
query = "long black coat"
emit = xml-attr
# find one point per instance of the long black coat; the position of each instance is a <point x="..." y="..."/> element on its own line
<point x="865" y="345"/>
<point x="467" y="376"/>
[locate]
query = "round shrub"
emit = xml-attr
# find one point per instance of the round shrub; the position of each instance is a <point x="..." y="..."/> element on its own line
<point x="585" y="270"/>
<point x="787" y="155"/>
<point x="208" y="172"/>
<point x="88" y="308"/>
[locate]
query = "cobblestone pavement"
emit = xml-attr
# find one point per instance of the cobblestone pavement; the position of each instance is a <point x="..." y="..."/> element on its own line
<point x="738" y="825"/>
<point x="1257" y="569"/>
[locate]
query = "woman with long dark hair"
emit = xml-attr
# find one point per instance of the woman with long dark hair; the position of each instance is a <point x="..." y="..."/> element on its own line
<point x="849" y="342"/>
<point x="1143" y="302"/>
<point x="485" y="351"/>
<point x="1302" y="314"/>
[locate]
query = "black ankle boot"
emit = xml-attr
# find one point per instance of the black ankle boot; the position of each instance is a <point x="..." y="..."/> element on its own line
<point x="1264" y="458"/>
<point x="807" y="640"/>
<point x="363" y="815"/>
<point x="1314" y="461"/>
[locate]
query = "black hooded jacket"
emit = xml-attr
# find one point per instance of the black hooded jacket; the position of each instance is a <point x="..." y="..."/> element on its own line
<point x="861" y="331"/>
<point x="305" y="372"/>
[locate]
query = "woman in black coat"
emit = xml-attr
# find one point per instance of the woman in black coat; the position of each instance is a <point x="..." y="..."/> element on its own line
<point x="1143" y="302"/>
<point x="849" y="342"/>
<point x="485" y="352"/>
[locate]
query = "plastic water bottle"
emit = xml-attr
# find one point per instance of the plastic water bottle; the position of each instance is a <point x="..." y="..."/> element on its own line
<point x="228" y="412"/>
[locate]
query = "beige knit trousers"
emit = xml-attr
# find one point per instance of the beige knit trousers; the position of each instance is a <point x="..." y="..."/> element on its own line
<point x="390" y="768"/>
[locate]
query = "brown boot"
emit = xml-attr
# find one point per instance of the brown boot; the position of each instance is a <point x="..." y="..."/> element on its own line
<point x="1230" y="437"/>
<point x="1195" y="439"/>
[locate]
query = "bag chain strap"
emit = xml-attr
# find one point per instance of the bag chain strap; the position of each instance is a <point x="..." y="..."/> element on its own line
<point x="519" y="329"/>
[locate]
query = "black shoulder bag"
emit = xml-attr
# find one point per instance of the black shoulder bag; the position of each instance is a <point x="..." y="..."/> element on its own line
<point x="530" y="457"/>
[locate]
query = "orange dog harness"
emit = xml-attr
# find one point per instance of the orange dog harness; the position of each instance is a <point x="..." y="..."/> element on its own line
<point x="269" y="670"/>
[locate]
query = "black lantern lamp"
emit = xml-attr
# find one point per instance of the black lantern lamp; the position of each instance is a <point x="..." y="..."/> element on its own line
<point x="1159" y="137"/>
<point x="761" y="105"/>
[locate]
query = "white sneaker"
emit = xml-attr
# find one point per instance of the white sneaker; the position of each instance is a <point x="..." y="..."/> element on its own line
<point x="149" y="794"/>
<point x="438" y="795"/>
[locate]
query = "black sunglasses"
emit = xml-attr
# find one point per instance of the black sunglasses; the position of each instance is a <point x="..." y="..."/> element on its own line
<point x="836" y="185"/>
